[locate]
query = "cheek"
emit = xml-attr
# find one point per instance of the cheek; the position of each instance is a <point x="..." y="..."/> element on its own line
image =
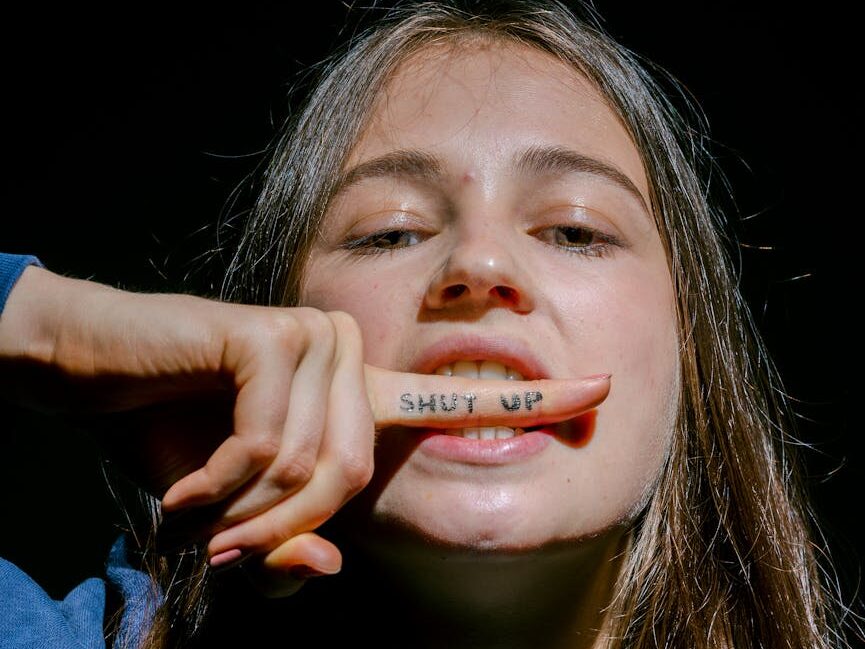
<point x="621" y="319"/>
<point x="379" y="302"/>
<point x="625" y="323"/>
<point x="644" y="402"/>
<point x="640" y="324"/>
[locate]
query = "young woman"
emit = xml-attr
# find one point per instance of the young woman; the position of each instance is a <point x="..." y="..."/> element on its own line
<point x="498" y="194"/>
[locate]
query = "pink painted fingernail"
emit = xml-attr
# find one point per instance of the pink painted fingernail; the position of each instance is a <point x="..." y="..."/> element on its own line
<point x="223" y="559"/>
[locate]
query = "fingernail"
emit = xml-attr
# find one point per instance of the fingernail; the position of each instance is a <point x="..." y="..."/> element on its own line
<point x="598" y="377"/>
<point x="225" y="560"/>
<point x="305" y="572"/>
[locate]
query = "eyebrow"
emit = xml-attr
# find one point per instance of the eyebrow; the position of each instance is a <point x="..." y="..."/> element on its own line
<point x="400" y="163"/>
<point x="536" y="160"/>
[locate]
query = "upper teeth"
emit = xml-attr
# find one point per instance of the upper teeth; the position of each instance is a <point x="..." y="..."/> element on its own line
<point x="482" y="370"/>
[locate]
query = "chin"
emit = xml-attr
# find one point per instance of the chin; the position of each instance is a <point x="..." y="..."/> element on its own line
<point x="520" y="507"/>
<point x="488" y="517"/>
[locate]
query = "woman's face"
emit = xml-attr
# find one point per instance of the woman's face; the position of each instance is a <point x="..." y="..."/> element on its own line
<point x="498" y="212"/>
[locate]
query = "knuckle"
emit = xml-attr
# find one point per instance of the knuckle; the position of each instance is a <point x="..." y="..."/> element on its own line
<point x="356" y="471"/>
<point x="344" y="323"/>
<point x="297" y="470"/>
<point x="348" y="331"/>
<point x="321" y="331"/>
<point x="272" y="534"/>
<point x="315" y="320"/>
<point x="262" y="450"/>
<point x="273" y="331"/>
<point x="212" y="491"/>
<point x="280" y="325"/>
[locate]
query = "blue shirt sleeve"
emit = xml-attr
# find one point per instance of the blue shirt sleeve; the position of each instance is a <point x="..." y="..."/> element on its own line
<point x="30" y="618"/>
<point x="11" y="267"/>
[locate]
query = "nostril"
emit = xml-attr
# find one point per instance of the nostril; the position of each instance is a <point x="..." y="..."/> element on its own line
<point x="454" y="291"/>
<point x="506" y="293"/>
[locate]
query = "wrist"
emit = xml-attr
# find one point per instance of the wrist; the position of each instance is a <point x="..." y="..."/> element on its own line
<point x="39" y="306"/>
<point x="21" y="330"/>
<point x="44" y="337"/>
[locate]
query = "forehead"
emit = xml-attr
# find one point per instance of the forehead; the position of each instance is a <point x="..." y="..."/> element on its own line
<point x="476" y="104"/>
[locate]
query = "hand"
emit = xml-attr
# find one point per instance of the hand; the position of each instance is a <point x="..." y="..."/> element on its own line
<point x="261" y="420"/>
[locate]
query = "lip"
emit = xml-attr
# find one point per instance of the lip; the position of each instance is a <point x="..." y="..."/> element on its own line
<point x="509" y="351"/>
<point x="454" y="448"/>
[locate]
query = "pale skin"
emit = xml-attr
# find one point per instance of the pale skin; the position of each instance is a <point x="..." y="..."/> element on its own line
<point x="477" y="249"/>
<point x="89" y="351"/>
<point x="477" y="245"/>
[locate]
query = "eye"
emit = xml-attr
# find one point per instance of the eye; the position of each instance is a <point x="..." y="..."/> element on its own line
<point x="573" y="237"/>
<point x="577" y="239"/>
<point x="383" y="241"/>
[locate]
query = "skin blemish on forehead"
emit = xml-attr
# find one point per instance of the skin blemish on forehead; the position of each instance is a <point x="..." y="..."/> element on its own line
<point x="467" y="178"/>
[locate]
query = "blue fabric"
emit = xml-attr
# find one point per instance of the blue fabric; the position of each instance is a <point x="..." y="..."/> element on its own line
<point x="141" y="595"/>
<point x="30" y="618"/>
<point x="11" y="267"/>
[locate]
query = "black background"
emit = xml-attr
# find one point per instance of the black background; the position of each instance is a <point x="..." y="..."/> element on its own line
<point x="127" y="132"/>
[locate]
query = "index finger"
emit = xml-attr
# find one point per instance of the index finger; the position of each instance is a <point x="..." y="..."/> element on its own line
<point x="402" y="399"/>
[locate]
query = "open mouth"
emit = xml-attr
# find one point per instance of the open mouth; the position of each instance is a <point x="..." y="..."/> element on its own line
<point x="483" y="369"/>
<point x="489" y="432"/>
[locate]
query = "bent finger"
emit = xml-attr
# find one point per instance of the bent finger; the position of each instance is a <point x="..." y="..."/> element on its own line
<point x="349" y="440"/>
<point x="305" y="511"/>
<point x="258" y="420"/>
<point x="301" y="437"/>
<point x="345" y="463"/>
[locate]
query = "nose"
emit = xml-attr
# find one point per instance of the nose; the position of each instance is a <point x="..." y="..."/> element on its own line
<point x="479" y="274"/>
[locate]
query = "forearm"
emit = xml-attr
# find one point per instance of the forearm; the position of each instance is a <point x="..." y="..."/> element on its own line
<point x="75" y="346"/>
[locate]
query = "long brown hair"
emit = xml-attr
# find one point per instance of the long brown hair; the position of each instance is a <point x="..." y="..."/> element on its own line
<point x="723" y="553"/>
